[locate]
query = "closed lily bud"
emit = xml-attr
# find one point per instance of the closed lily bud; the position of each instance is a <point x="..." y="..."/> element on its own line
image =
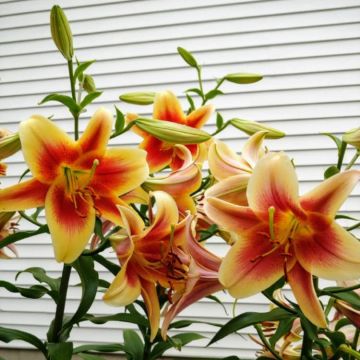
<point x="352" y="137"/>
<point x="243" y="78"/>
<point x="9" y="144"/>
<point x="171" y="132"/>
<point x="61" y="32"/>
<point x="138" y="98"/>
<point x="252" y="127"/>
<point x="89" y="84"/>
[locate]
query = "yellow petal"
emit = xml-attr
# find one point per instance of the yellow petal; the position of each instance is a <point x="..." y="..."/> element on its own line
<point x="167" y="107"/>
<point x="70" y="225"/>
<point x="200" y="116"/>
<point x="97" y="132"/>
<point x="328" y="197"/>
<point x="303" y="288"/>
<point x="252" y="151"/>
<point x="46" y="147"/>
<point x="273" y="184"/>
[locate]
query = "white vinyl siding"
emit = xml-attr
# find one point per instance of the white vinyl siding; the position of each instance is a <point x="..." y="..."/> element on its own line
<point x="308" y="52"/>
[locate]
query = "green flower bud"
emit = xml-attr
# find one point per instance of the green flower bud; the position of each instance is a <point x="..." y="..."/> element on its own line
<point x="138" y="98"/>
<point x="352" y="137"/>
<point x="242" y="78"/>
<point x="61" y="32"/>
<point x="251" y="127"/>
<point x="171" y="132"/>
<point x="188" y="57"/>
<point x="9" y="145"/>
<point x="89" y="84"/>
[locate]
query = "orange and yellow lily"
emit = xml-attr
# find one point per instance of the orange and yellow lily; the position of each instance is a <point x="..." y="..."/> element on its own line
<point x="161" y="254"/>
<point x="159" y="153"/>
<point x="74" y="180"/>
<point x="281" y="234"/>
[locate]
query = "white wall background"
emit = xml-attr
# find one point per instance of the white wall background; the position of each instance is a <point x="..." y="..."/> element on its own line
<point x="308" y="52"/>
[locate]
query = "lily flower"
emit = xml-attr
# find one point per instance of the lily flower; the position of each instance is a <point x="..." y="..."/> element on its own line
<point x="281" y="234"/>
<point x="179" y="183"/>
<point x="159" y="254"/>
<point x="159" y="153"/>
<point x="224" y="162"/>
<point x="74" y="180"/>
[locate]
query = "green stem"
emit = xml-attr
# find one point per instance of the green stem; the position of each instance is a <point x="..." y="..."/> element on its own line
<point x="341" y="155"/>
<point x="128" y="127"/>
<point x="356" y="339"/>
<point x="222" y="128"/>
<point x="60" y="308"/>
<point x="73" y="95"/>
<point x="353" y="160"/>
<point x="345" y="349"/>
<point x="215" y="88"/>
<point x="265" y="342"/>
<point x="198" y="69"/>
<point x="147" y="348"/>
<point x="30" y="219"/>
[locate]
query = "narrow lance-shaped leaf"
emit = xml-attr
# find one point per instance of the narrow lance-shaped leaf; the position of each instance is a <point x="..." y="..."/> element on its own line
<point x="63" y="99"/>
<point x="81" y="68"/>
<point x="133" y="344"/>
<point x="60" y="351"/>
<point x="89" y="98"/>
<point x="120" y="121"/>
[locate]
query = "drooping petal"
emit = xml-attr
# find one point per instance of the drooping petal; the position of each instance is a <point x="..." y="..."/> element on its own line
<point x="232" y="190"/>
<point x="71" y="222"/>
<point x="149" y="294"/>
<point x="200" y="116"/>
<point x="125" y="288"/>
<point x="224" y="162"/>
<point x="329" y="252"/>
<point x="138" y="196"/>
<point x="25" y="195"/>
<point x="132" y="221"/>
<point x="327" y="197"/>
<point x="347" y="310"/>
<point x="46" y="148"/>
<point x="252" y="151"/>
<point x="119" y="171"/>
<point x="253" y="263"/>
<point x="158" y="156"/>
<point x="303" y="288"/>
<point x="273" y="184"/>
<point x="229" y="216"/>
<point x="166" y="216"/>
<point x="167" y="107"/>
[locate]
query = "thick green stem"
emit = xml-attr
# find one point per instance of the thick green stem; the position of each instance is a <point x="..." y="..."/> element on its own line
<point x="221" y="129"/>
<point x="73" y="95"/>
<point x="59" y="315"/>
<point x="147" y="348"/>
<point x="345" y="349"/>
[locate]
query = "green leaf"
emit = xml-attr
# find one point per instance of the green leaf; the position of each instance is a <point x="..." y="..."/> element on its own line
<point x="120" y="121"/>
<point x="331" y="171"/>
<point x="188" y="57"/>
<point x="8" y="335"/>
<point x="40" y="275"/>
<point x="217" y="300"/>
<point x="99" y="348"/>
<point x="23" y="174"/>
<point x="191" y="102"/>
<point x="23" y="235"/>
<point x="195" y="90"/>
<point x="250" y="318"/>
<point x="133" y="344"/>
<point x="283" y="328"/>
<point x="177" y="341"/>
<point x="63" y="99"/>
<point x="89" y="277"/>
<point x="219" y="121"/>
<point x="213" y="93"/>
<point x="351" y="297"/>
<point x="33" y="292"/>
<point x="124" y="317"/>
<point x="185" y="323"/>
<point x="109" y="265"/>
<point x="89" y="98"/>
<point x="60" y="351"/>
<point x="243" y="78"/>
<point x="343" y="216"/>
<point x="336" y="140"/>
<point x="81" y="68"/>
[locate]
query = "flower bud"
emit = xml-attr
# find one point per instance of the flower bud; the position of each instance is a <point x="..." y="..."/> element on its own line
<point x="251" y="127"/>
<point x="188" y="57"/>
<point x="242" y="78"/>
<point x="352" y="137"/>
<point x="9" y="144"/>
<point x="89" y="84"/>
<point x="61" y="32"/>
<point x="138" y="98"/>
<point x="171" y="132"/>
